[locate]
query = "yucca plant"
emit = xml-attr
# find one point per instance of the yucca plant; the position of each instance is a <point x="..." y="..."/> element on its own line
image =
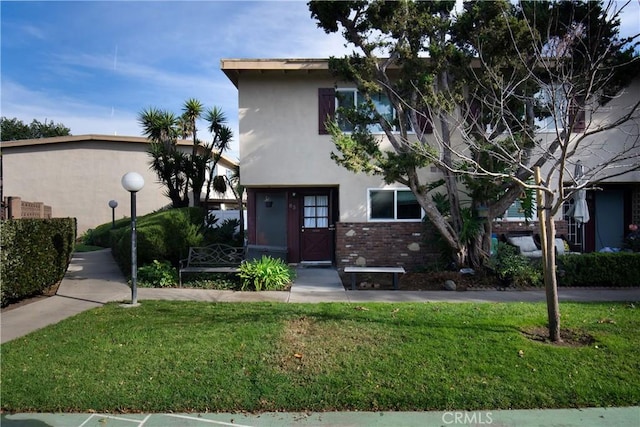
<point x="266" y="273"/>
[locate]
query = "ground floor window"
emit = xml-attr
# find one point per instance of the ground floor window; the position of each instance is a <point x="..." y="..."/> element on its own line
<point x="316" y="211"/>
<point x="393" y="204"/>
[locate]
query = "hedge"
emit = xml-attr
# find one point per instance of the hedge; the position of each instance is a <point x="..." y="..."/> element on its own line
<point x="35" y="254"/>
<point x="620" y="269"/>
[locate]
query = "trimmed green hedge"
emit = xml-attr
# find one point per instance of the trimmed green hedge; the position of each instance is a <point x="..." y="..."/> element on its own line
<point x="599" y="269"/>
<point x="35" y="254"/>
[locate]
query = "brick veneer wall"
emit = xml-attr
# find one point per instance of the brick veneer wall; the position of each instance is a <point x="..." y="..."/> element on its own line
<point x="403" y="243"/>
<point x="16" y="208"/>
<point x="383" y="244"/>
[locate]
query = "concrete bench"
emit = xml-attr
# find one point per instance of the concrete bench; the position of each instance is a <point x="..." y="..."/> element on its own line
<point x="216" y="258"/>
<point x="355" y="270"/>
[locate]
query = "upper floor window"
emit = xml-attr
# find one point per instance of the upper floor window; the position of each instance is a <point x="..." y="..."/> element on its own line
<point x="559" y="111"/>
<point x="393" y="205"/>
<point x="350" y="99"/>
<point x="330" y="99"/>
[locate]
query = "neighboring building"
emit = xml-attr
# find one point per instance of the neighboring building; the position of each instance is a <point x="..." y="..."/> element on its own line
<point x="298" y="198"/>
<point x="78" y="175"/>
<point x="616" y="202"/>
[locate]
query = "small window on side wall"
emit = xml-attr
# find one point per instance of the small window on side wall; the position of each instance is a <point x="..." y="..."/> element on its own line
<point x="393" y="205"/>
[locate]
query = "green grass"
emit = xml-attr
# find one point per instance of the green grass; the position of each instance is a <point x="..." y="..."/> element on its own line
<point x="191" y="356"/>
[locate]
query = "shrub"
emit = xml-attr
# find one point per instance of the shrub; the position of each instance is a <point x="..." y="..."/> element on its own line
<point x="514" y="269"/>
<point x="599" y="269"/>
<point x="270" y="274"/>
<point x="159" y="274"/>
<point x="35" y="254"/>
<point x="632" y="239"/>
<point x="165" y="235"/>
<point x="226" y="232"/>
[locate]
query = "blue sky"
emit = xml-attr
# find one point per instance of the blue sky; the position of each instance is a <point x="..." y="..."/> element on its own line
<point x="95" y="65"/>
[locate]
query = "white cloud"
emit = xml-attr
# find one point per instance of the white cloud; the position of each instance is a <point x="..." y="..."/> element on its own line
<point x="279" y="30"/>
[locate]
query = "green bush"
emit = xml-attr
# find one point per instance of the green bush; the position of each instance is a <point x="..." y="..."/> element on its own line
<point x="514" y="269"/>
<point x="35" y="254"/>
<point x="599" y="269"/>
<point x="102" y="235"/>
<point x="165" y="235"/>
<point x="159" y="274"/>
<point x="224" y="233"/>
<point x="266" y="273"/>
<point x="632" y="239"/>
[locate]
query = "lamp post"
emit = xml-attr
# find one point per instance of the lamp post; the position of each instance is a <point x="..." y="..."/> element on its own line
<point x="133" y="182"/>
<point x="113" y="205"/>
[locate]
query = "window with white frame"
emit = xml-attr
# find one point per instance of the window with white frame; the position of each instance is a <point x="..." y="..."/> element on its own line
<point x="393" y="205"/>
<point x="350" y="98"/>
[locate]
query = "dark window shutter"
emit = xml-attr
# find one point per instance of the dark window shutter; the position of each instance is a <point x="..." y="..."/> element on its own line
<point x="577" y="115"/>
<point x="424" y="123"/>
<point x="326" y="107"/>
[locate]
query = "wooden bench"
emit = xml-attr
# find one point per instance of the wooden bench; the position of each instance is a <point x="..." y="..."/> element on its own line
<point x="216" y="258"/>
<point x="355" y="270"/>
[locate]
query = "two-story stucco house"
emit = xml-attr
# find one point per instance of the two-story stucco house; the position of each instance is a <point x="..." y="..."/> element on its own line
<point x="298" y="198"/>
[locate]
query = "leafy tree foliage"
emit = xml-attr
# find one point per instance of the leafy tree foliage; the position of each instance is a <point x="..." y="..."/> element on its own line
<point x="483" y="79"/>
<point x="14" y="129"/>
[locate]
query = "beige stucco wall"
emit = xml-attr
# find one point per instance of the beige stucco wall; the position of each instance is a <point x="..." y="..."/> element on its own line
<point x="280" y="144"/>
<point x="78" y="177"/>
<point x="625" y="139"/>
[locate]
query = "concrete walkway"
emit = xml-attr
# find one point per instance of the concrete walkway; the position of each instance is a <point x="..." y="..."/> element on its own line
<point x="585" y="417"/>
<point x="94" y="279"/>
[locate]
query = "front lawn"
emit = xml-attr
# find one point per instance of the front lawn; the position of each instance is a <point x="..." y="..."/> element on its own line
<point x="193" y="356"/>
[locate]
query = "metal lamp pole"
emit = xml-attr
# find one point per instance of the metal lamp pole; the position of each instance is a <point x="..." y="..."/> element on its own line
<point x="113" y="205"/>
<point x="133" y="182"/>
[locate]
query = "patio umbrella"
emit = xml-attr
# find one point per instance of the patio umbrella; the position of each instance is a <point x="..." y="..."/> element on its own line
<point x="580" y="210"/>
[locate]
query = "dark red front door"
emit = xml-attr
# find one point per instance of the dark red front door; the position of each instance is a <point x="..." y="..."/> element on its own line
<point x="316" y="233"/>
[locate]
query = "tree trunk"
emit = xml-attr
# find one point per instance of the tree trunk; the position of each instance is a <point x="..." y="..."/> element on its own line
<point x="547" y="241"/>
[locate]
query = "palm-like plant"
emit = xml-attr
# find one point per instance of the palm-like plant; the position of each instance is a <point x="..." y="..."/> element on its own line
<point x="191" y="111"/>
<point x="170" y="169"/>
<point x="161" y="127"/>
<point x="178" y="171"/>
<point x="222" y="136"/>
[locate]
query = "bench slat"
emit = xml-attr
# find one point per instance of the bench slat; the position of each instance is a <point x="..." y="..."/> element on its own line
<point x="350" y="269"/>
